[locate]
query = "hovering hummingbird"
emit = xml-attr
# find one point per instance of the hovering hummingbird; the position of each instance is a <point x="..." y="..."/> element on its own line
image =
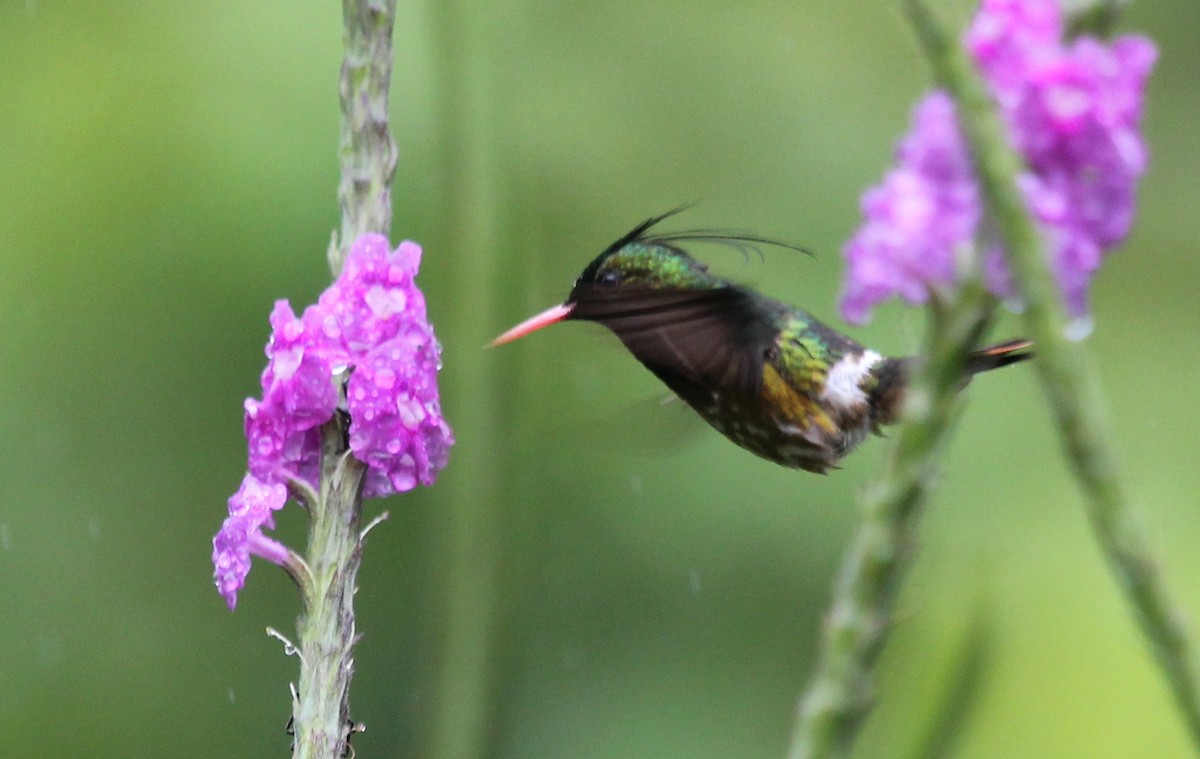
<point x="767" y="375"/>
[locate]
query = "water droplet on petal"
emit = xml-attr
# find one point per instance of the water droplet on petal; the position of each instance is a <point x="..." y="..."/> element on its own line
<point x="329" y="326"/>
<point x="410" y="412"/>
<point x="385" y="301"/>
<point x="292" y="330"/>
<point x="385" y="378"/>
<point x="403" y="481"/>
<point x="286" y="362"/>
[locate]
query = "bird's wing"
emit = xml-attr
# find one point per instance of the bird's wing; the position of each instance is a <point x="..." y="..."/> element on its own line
<point x="712" y="339"/>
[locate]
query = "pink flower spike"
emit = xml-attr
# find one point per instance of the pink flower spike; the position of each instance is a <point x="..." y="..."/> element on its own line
<point x="1073" y="111"/>
<point x="923" y="211"/>
<point x="368" y="332"/>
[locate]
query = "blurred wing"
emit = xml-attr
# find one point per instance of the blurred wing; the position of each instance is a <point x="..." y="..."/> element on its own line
<point x="694" y="340"/>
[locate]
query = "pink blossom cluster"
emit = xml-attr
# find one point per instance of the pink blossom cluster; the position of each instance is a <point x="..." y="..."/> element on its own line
<point x="367" y="335"/>
<point x="1073" y="110"/>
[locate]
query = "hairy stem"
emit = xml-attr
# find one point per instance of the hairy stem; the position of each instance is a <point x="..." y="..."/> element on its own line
<point x="367" y="152"/>
<point x="840" y="696"/>
<point x="1067" y="377"/>
<point x="321" y="708"/>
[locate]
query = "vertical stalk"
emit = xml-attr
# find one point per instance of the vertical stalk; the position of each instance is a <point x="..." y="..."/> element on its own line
<point x="1067" y="376"/>
<point x="321" y="710"/>
<point x="839" y="697"/>
<point x="367" y="152"/>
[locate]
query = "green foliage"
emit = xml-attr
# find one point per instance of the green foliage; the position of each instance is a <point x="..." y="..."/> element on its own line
<point x="168" y="171"/>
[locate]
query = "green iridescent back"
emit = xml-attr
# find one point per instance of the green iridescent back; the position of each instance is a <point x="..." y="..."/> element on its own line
<point x="652" y="266"/>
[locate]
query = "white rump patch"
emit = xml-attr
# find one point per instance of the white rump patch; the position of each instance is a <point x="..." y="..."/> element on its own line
<point x="843" y="386"/>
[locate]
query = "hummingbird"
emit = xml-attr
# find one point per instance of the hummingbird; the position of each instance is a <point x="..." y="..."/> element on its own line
<point x="767" y="375"/>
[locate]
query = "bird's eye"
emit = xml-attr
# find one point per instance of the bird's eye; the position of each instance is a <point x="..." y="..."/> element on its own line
<point x="608" y="278"/>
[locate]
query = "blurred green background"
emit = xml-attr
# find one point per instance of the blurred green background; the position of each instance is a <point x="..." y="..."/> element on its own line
<point x="595" y="574"/>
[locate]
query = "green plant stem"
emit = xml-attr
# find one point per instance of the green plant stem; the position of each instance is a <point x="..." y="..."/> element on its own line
<point x="321" y="709"/>
<point x="838" y="699"/>
<point x="367" y="152"/>
<point x="1066" y="374"/>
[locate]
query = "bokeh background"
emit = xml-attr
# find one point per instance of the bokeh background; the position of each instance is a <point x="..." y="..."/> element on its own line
<point x="596" y="574"/>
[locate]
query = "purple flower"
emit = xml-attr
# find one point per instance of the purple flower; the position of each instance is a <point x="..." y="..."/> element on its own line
<point x="1074" y="113"/>
<point x="368" y="334"/>
<point x="250" y="509"/>
<point x="925" y="208"/>
<point x="299" y="394"/>
<point x="1007" y="37"/>
<point x="396" y="424"/>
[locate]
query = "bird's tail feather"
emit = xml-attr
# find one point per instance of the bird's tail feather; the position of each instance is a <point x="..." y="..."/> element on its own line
<point x="892" y="375"/>
<point x="998" y="355"/>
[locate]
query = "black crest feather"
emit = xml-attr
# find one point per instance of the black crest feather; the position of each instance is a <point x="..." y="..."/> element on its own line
<point x="740" y="239"/>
